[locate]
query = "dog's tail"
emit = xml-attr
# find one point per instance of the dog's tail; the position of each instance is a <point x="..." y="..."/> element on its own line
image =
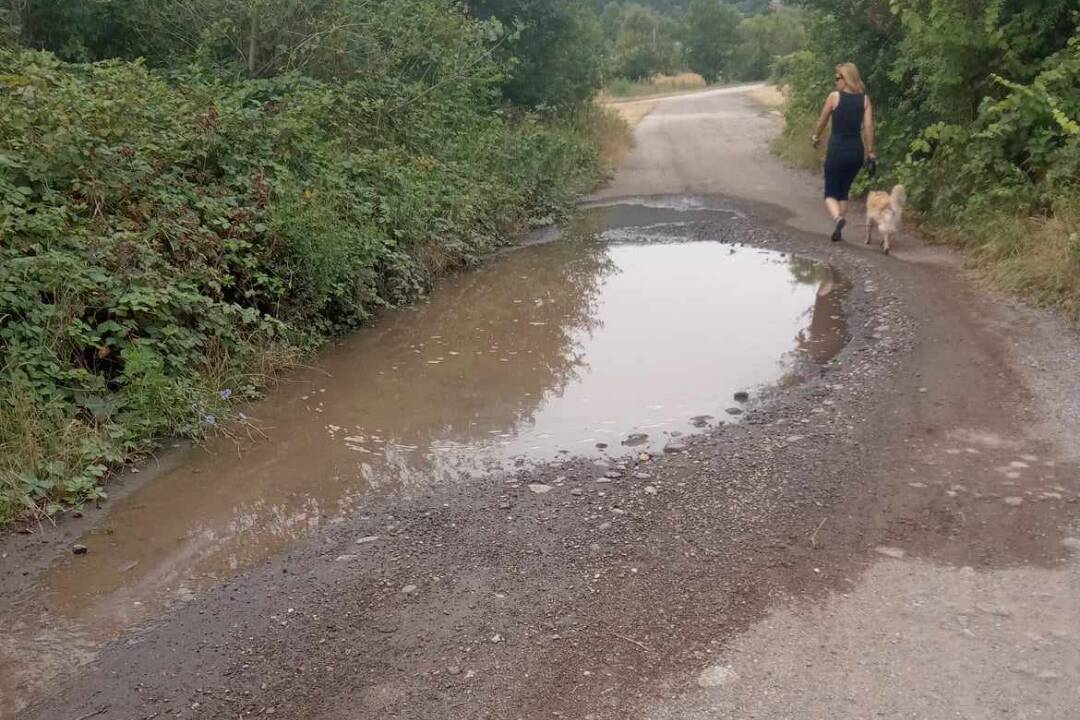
<point x="898" y="198"/>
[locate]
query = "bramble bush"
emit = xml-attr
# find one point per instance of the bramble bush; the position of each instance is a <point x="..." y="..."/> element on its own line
<point x="170" y="238"/>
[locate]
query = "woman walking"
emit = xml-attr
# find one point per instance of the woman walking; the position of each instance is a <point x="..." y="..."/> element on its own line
<point x="852" y="115"/>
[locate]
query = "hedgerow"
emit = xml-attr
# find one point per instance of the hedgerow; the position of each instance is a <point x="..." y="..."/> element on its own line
<point x="171" y="237"/>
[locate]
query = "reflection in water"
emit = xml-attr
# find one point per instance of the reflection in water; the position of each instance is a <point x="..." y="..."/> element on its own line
<point x="825" y="332"/>
<point x="554" y="348"/>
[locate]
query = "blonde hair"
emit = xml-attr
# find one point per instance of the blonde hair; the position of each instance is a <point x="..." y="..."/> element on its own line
<point x="851" y="76"/>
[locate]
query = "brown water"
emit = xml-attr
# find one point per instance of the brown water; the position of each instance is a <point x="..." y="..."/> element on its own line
<point x="549" y="351"/>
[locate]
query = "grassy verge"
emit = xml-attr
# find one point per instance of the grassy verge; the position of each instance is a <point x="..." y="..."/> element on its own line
<point x="793" y="145"/>
<point x="621" y="88"/>
<point x="768" y="96"/>
<point x="1035" y="258"/>
<point x="169" y="243"/>
<point x="612" y="132"/>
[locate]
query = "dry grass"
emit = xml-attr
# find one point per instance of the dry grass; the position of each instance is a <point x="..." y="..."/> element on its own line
<point x="793" y="145"/>
<point x="769" y="96"/>
<point x="655" y="86"/>
<point x="611" y="130"/>
<point x="633" y="112"/>
<point x="1035" y="258"/>
<point x="634" y="100"/>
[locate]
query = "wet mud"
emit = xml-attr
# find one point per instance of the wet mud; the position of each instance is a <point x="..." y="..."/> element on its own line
<point x="620" y="334"/>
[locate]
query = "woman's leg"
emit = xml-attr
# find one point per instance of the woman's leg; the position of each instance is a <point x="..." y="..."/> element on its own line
<point x="833" y="206"/>
<point x="843" y="208"/>
<point x="836" y="210"/>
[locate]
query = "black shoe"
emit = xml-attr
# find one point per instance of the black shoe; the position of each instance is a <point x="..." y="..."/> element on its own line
<point x="838" y="230"/>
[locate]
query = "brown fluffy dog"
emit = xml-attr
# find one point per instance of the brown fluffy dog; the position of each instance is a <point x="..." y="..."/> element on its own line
<point x="885" y="210"/>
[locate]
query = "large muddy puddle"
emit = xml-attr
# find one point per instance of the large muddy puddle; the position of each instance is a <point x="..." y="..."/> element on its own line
<point x="621" y="331"/>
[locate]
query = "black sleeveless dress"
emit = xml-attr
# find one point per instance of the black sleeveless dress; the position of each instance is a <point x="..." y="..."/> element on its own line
<point x="844" y="158"/>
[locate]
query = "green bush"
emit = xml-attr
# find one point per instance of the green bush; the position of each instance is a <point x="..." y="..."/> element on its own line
<point x="644" y="43"/>
<point x="978" y="108"/>
<point x="167" y="241"/>
<point x="711" y="34"/>
<point x="554" y="50"/>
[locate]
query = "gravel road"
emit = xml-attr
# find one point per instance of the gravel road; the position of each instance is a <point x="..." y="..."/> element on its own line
<point x="893" y="536"/>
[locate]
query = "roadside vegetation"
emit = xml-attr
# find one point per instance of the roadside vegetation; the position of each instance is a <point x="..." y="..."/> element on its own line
<point x="679" y="45"/>
<point x="979" y="116"/>
<point x="622" y="88"/>
<point x="196" y="193"/>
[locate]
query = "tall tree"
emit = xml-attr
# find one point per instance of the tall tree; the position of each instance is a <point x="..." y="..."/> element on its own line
<point x="711" y="35"/>
<point x="645" y="44"/>
<point x="555" y="56"/>
<point x="763" y="38"/>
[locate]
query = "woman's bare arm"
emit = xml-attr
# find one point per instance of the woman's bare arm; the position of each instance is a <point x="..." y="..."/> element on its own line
<point x="868" y="128"/>
<point x="823" y="119"/>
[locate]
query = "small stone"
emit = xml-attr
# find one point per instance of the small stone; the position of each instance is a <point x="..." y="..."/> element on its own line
<point x="650" y="490"/>
<point x="674" y="448"/>
<point x="496" y="638"/>
<point x="409" y="589"/>
<point x="605" y="526"/>
<point x="892" y="552"/>
<point x="734" y="411"/>
<point x="1071" y="543"/>
<point x="368" y="540"/>
<point x="642" y="476"/>
<point x="741" y="396"/>
<point x="577" y="491"/>
<point x="794" y="438"/>
<point x="539" y="488"/>
<point x="644" y="457"/>
<point x="453" y="670"/>
<point x="79" y="549"/>
<point x="345" y="558"/>
<point x="917" y="484"/>
<point x="613" y="474"/>
<point x="1014" y="501"/>
<point x="717" y="676"/>
<point x="635" y="439"/>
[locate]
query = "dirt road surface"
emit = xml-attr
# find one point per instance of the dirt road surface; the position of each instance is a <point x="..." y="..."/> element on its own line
<point x="894" y="536"/>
